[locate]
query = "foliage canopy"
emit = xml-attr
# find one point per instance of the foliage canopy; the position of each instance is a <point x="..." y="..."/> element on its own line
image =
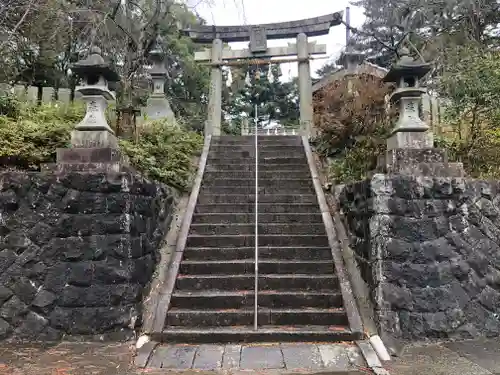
<point x="30" y="138"/>
<point x="352" y="123"/>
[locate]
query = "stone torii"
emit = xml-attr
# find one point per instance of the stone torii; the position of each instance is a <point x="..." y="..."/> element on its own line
<point x="258" y="35"/>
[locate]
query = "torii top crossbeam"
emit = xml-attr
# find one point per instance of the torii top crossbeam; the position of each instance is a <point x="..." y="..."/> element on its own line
<point x="316" y="26"/>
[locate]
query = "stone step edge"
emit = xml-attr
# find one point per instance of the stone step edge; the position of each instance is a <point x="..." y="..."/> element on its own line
<point x="260" y="140"/>
<point x="267" y="276"/>
<point x="253" y="235"/>
<point x="225" y="156"/>
<point x="305" y="171"/>
<point x="250" y="310"/>
<point x="252" y="261"/>
<point x="251" y="213"/>
<point x="199" y="225"/>
<point x="263" y="195"/>
<point x="300" y="165"/>
<point x="321" y="330"/>
<point x="253" y="203"/>
<point x="219" y="145"/>
<point x="211" y="293"/>
<point x="253" y="179"/>
<point x="276" y="184"/>
<point x="289" y="171"/>
<point x="305" y="248"/>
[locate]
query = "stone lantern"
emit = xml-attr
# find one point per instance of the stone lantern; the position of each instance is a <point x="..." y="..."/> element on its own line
<point x="94" y="146"/>
<point x="93" y="130"/>
<point x="351" y="59"/>
<point x="410" y="131"/>
<point x="157" y="105"/>
<point x="410" y="148"/>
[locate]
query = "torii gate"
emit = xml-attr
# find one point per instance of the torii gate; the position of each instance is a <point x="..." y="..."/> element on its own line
<point x="258" y="35"/>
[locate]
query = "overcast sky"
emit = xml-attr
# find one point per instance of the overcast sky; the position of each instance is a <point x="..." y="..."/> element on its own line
<point x="241" y="12"/>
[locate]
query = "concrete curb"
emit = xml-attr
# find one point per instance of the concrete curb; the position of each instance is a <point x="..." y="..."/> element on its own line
<point x="166" y="252"/>
<point x="379" y="347"/>
<point x="170" y="274"/>
<point x="359" y="287"/>
<point x="355" y="322"/>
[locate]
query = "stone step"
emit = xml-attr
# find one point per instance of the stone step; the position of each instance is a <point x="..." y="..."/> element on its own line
<point x="287" y="149"/>
<point x="248" y="218"/>
<point x="250" y="167"/>
<point x="204" y="199"/>
<point x="263" y="160"/>
<point x="277" y="188"/>
<point x="266" y="282"/>
<point x="263" y="334"/>
<point x="238" y="299"/>
<point x="264" y="240"/>
<point x="216" y="266"/>
<point x="229" y="138"/>
<point x="265" y="253"/>
<point x="249" y="229"/>
<point x="261" y="139"/>
<point x="289" y="182"/>
<point x="262" y="175"/>
<point x="245" y="317"/>
<point x="243" y="152"/>
<point x="263" y="208"/>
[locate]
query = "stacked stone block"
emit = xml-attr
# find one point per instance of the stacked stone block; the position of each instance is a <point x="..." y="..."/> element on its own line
<point x="429" y="248"/>
<point x="77" y="252"/>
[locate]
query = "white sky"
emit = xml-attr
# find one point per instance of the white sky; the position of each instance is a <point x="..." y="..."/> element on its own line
<point x="241" y="12"/>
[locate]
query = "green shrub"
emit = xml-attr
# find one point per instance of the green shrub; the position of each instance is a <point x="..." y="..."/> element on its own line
<point x="356" y="161"/>
<point x="165" y="152"/>
<point x="470" y="82"/>
<point x="353" y="124"/>
<point x="32" y="134"/>
<point x="9" y="105"/>
<point x="480" y="158"/>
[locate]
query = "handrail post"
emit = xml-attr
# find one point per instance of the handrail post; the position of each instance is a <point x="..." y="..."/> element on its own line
<point x="256" y="288"/>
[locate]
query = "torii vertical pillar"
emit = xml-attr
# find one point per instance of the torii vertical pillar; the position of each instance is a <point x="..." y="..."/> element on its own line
<point x="305" y="85"/>
<point x="213" y="125"/>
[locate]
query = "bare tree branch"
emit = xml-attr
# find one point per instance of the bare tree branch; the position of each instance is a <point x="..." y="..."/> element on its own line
<point x="18" y="24"/>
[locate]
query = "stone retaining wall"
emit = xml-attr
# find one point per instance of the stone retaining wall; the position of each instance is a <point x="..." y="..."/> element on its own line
<point x="430" y="250"/>
<point x="77" y="253"/>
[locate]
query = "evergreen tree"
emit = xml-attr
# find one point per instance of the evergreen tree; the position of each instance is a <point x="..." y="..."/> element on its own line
<point x="275" y="100"/>
<point x="327" y="69"/>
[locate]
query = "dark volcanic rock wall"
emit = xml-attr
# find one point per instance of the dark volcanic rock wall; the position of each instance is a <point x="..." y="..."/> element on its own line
<point x="77" y="252"/>
<point x="430" y="250"/>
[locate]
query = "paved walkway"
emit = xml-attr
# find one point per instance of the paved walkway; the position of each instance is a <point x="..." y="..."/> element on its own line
<point x="117" y="359"/>
<point x="476" y="357"/>
<point x="342" y="358"/>
<point x="471" y="357"/>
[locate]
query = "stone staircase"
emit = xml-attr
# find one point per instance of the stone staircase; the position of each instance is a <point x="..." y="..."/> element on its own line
<point x="299" y="296"/>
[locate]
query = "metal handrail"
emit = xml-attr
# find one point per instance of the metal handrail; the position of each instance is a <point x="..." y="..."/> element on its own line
<point x="256" y="287"/>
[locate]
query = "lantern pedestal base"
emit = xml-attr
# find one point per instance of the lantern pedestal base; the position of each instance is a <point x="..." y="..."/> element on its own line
<point x="419" y="162"/>
<point x="94" y="159"/>
<point x="93" y="138"/>
<point x="413" y="140"/>
<point x="158" y="107"/>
